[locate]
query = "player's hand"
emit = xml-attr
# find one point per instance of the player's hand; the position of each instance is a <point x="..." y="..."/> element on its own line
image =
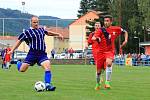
<point x="61" y="37"/>
<point x="98" y="40"/>
<point x="93" y="38"/>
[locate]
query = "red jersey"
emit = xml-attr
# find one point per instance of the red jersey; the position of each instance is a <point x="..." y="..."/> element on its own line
<point x="102" y="44"/>
<point x="114" y="32"/>
<point x="71" y="51"/>
<point x="95" y="45"/>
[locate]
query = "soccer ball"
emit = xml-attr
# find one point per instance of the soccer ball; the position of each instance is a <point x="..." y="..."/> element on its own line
<point x="39" y="86"/>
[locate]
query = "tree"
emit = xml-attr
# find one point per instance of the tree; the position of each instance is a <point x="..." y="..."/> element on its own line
<point x="97" y="5"/>
<point x="84" y="6"/>
<point x="132" y="15"/>
<point x="90" y="27"/>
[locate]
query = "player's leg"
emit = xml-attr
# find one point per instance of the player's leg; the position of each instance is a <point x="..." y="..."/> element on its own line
<point x="48" y="75"/>
<point x="102" y="71"/>
<point x="29" y="60"/>
<point x="108" y="72"/>
<point x="45" y="63"/>
<point x="7" y="65"/>
<point x="23" y="67"/>
<point x="102" y="75"/>
<point x="109" y="60"/>
<point x="97" y="87"/>
<point x="98" y="76"/>
<point x="99" y="66"/>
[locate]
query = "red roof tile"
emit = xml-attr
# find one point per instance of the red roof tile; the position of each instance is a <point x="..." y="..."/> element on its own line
<point x="61" y="30"/>
<point x="8" y="37"/>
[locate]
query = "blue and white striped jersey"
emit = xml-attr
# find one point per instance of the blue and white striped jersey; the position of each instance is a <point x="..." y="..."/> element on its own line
<point x="34" y="38"/>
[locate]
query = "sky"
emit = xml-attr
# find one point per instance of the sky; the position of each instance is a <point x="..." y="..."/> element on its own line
<point x="66" y="9"/>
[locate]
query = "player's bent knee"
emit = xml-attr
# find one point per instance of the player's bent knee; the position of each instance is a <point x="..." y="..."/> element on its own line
<point x="22" y="69"/>
<point x="46" y="65"/>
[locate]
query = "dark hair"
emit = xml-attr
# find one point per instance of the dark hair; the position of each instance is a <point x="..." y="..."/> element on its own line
<point x="108" y="16"/>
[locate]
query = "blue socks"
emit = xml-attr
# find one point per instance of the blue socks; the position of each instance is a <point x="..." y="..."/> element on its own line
<point x="19" y="63"/>
<point x="48" y="76"/>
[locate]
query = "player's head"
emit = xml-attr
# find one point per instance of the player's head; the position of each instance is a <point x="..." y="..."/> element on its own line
<point x="108" y="20"/>
<point x="97" y="25"/>
<point x="34" y="22"/>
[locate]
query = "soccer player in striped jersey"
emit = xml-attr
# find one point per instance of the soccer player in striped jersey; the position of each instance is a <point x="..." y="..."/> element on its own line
<point x="34" y="36"/>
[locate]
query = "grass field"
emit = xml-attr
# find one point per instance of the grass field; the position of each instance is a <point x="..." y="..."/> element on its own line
<point x="76" y="82"/>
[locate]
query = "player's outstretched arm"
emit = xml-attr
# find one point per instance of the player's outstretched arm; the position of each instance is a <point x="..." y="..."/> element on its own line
<point x="15" y="46"/>
<point x="50" y="33"/>
<point x="125" y="40"/>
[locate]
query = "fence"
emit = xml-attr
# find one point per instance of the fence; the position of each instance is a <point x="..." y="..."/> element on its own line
<point x="14" y="26"/>
<point x="133" y="62"/>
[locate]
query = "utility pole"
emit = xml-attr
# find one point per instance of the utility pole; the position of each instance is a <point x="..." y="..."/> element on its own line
<point x="23" y="11"/>
<point x="3" y="28"/>
<point x="23" y="6"/>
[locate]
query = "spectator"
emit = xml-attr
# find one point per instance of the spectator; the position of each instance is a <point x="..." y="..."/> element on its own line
<point x="71" y="51"/>
<point x="53" y="53"/>
<point x="66" y="53"/>
<point x="143" y="58"/>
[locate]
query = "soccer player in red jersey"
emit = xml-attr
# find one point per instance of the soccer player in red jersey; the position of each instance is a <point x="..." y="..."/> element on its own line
<point x="98" y="58"/>
<point x="110" y="33"/>
<point x="7" y="57"/>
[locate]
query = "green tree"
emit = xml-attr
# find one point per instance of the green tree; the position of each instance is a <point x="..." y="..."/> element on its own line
<point x="97" y="5"/>
<point x="132" y="15"/>
<point x="84" y="6"/>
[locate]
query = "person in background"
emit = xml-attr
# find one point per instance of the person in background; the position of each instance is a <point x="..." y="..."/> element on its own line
<point x="53" y="52"/>
<point x="71" y="51"/>
<point x="7" y="57"/>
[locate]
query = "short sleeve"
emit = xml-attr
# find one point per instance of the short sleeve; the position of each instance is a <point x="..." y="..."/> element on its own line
<point x="123" y="30"/>
<point x="21" y="37"/>
<point x="45" y="31"/>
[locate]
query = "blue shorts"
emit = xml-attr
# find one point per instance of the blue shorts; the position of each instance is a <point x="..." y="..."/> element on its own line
<point x="35" y="56"/>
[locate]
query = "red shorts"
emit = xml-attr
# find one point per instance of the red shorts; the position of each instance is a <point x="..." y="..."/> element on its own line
<point x="109" y="54"/>
<point x="100" y="61"/>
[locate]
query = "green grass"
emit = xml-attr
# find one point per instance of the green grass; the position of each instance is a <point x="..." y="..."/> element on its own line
<point x="76" y="82"/>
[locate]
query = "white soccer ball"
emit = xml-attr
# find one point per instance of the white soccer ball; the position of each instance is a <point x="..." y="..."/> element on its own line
<point x="39" y="86"/>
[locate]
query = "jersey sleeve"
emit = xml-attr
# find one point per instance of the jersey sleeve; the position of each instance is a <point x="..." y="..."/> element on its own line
<point x="45" y="31"/>
<point x="123" y="30"/>
<point x="21" y="37"/>
<point x="120" y="30"/>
